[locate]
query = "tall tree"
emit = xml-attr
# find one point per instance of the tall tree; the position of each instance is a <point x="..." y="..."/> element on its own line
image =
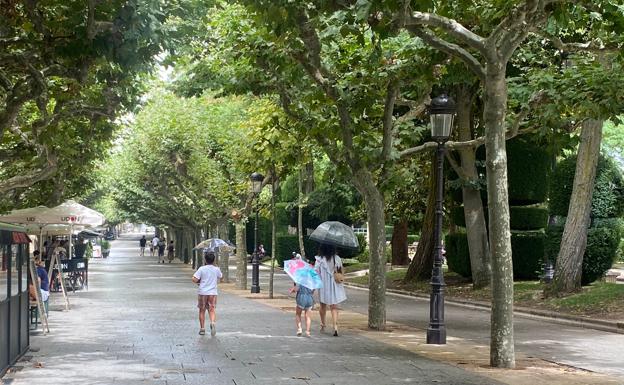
<point x="67" y="69"/>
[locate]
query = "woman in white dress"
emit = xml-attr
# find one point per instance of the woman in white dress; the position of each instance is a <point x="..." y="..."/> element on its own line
<point x="332" y="293"/>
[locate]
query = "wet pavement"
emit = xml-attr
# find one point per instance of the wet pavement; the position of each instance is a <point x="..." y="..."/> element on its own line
<point x="137" y="325"/>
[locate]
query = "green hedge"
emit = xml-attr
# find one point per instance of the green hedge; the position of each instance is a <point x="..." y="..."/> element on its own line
<point x="608" y="195"/>
<point x="528" y="253"/>
<point x="411" y="238"/>
<point x="264" y="234"/>
<point x="282" y="216"/>
<point x="457" y="254"/>
<point x="603" y="240"/>
<point x="529" y="169"/>
<point x="528" y="217"/>
<point x="287" y="243"/>
<point x="529" y="172"/>
<point x="521" y="217"/>
<point x="527" y="248"/>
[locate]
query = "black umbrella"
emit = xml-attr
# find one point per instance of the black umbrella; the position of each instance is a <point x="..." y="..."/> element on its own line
<point x="337" y="234"/>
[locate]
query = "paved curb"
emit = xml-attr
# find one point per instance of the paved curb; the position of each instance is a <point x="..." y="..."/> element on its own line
<point x="565" y="319"/>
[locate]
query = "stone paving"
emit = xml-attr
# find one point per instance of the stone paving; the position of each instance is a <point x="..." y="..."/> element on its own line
<point x="137" y="325"/>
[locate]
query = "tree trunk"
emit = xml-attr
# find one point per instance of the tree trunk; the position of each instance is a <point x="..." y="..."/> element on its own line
<point x="197" y="255"/>
<point x="363" y="181"/>
<point x="502" y="350"/>
<point x="399" y="243"/>
<point x="476" y="230"/>
<point x="569" y="265"/>
<point x="273" y="233"/>
<point x="241" y="254"/>
<point x="309" y="183"/>
<point x="300" y="229"/>
<point x="422" y="262"/>
<point x="224" y="256"/>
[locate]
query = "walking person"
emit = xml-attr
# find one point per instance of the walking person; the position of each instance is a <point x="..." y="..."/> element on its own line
<point x="332" y="293"/>
<point x="207" y="277"/>
<point x="154" y="245"/>
<point x="304" y="302"/>
<point x="170" y="252"/>
<point x="161" y="251"/>
<point x="142" y="243"/>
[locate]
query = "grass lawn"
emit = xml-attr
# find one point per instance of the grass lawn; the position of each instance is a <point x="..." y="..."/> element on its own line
<point x="605" y="300"/>
<point x="355" y="267"/>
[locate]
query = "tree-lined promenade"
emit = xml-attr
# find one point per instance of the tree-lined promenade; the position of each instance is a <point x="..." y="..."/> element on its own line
<point x="329" y="102"/>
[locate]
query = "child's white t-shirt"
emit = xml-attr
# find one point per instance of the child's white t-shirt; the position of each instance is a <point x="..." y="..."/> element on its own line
<point x="208" y="276"/>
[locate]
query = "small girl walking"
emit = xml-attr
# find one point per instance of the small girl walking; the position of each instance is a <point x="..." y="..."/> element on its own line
<point x="304" y="304"/>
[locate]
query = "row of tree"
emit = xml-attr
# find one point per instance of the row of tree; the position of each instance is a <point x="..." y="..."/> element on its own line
<point x="348" y="80"/>
<point x="354" y="79"/>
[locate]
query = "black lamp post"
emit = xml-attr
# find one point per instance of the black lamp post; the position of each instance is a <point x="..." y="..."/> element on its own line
<point x="256" y="188"/>
<point x="441" y="113"/>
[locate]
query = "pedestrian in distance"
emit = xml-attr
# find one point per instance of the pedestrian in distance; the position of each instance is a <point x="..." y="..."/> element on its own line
<point x="161" y="250"/>
<point x="142" y="243"/>
<point x="332" y="293"/>
<point x="170" y="252"/>
<point x="207" y="277"/>
<point x="154" y="245"/>
<point x="304" y="302"/>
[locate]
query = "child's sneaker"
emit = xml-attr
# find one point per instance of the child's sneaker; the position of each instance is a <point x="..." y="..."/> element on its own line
<point x="298" y="332"/>
<point x="202" y="332"/>
<point x="213" y="329"/>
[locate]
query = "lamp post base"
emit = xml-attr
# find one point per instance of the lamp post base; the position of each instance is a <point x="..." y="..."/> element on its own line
<point x="436" y="336"/>
<point x="255" y="274"/>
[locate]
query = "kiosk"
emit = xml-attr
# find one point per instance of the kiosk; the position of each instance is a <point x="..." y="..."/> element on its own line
<point x="14" y="339"/>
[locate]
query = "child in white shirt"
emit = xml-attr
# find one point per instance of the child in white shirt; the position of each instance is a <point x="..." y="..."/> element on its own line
<point x="207" y="277"/>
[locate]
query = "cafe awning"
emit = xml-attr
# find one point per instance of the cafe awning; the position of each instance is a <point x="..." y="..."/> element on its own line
<point x="11" y="234"/>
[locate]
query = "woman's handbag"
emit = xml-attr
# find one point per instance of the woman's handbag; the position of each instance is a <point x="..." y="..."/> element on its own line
<point x="338" y="275"/>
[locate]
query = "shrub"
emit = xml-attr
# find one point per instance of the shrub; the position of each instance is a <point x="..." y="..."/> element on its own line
<point x="529" y="169"/>
<point x="287" y="243"/>
<point x="264" y="234"/>
<point x="528" y="253"/>
<point x="602" y="244"/>
<point x="411" y="238"/>
<point x="457" y="216"/>
<point x="282" y="216"/>
<point x="527" y="249"/>
<point x="457" y="254"/>
<point x="528" y="217"/>
<point x="521" y="217"/>
<point x="608" y="195"/>
<point x="364" y="256"/>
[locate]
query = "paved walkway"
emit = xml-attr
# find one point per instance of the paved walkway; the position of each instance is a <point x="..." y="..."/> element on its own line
<point x="137" y="325"/>
<point x="587" y="349"/>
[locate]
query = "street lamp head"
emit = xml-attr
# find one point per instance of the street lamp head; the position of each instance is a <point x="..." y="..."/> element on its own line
<point x="256" y="182"/>
<point x="442" y="112"/>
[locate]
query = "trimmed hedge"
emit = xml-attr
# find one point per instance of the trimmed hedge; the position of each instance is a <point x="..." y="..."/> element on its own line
<point x="603" y="239"/>
<point x="528" y="217"/>
<point x="457" y="254"/>
<point x="528" y="253"/>
<point x="287" y="243"/>
<point x="529" y="168"/>
<point x="264" y="234"/>
<point x="608" y="195"/>
<point x="521" y="217"/>
<point x="282" y="216"/>
<point x="527" y="249"/>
